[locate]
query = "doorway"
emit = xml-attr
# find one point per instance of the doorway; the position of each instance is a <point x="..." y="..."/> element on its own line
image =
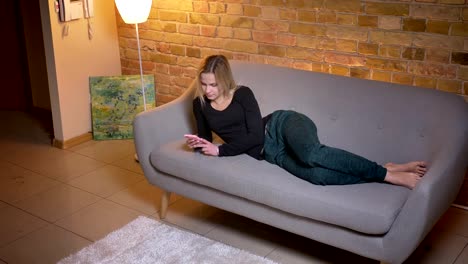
<point x="25" y="84"/>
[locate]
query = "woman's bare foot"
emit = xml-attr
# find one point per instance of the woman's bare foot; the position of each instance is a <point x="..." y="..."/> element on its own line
<point x="406" y="179"/>
<point x="418" y="167"/>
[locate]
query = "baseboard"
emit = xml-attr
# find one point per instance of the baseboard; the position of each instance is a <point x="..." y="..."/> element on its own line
<point x="73" y="141"/>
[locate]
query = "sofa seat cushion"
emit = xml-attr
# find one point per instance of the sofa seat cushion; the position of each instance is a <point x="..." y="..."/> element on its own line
<point x="369" y="208"/>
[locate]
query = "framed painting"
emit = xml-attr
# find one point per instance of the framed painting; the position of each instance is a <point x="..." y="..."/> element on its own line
<point x="115" y="100"/>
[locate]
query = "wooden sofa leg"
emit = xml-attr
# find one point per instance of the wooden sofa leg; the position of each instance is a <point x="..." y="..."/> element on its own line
<point x="164" y="204"/>
<point x="383" y="262"/>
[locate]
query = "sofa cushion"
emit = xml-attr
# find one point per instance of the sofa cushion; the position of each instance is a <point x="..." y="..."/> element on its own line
<point x="369" y="208"/>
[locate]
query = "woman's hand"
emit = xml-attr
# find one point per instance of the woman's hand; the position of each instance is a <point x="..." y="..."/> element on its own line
<point x="205" y="146"/>
<point x="192" y="140"/>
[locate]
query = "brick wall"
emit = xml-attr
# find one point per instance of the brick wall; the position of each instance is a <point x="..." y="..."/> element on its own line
<point x="415" y="42"/>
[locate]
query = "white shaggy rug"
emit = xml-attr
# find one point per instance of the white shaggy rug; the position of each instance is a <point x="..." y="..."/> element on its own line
<point x="145" y="240"/>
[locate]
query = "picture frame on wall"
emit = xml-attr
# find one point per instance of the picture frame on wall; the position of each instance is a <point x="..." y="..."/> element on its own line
<point x="115" y="101"/>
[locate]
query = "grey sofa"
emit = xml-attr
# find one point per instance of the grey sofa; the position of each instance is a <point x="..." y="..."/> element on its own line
<point x="382" y="121"/>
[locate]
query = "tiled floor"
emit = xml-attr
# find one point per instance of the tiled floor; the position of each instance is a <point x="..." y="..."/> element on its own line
<point x="54" y="202"/>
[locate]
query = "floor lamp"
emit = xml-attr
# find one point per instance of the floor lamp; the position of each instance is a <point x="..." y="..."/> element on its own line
<point x="134" y="12"/>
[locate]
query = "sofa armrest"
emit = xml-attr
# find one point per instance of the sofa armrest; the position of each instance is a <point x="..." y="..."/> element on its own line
<point x="160" y="125"/>
<point x="428" y="201"/>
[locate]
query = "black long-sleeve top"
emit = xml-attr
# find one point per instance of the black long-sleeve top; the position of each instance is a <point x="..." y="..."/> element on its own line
<point x="240" y="125"/>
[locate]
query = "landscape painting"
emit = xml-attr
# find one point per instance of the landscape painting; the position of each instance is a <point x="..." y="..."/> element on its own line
<point x="115" y="100"/>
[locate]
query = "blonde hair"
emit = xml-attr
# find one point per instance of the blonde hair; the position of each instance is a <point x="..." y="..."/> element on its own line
<point x="219" y="66"/>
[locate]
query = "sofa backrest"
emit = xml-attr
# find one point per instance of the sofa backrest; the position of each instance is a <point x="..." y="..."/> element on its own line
<point x="383" y="121"/>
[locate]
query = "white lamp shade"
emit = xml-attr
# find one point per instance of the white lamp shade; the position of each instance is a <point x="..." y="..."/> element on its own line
<point x="134" y="11"/>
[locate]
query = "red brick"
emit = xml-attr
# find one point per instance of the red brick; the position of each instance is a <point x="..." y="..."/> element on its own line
<point x="261" y="36"/>
<point x="390" y="9"/>
<point x="225" y="32"/>
<point x="172" y="16"/>
<point x="402" y="78"/>
<point x="459" y="58"/>
<point x="435" y="12"/>
<point x="327" y="17"/>
<point x="438" y="55"/>
<point x="242" y="33"/>
<point x="193" y="52"/>
<point x="181" y="81"/>
<point x="387" y="65"/>
<point x="271" y="25"/>
<point x="381" y="76"/>
<point x="307" y="29"/>
<point x="234" y="9"/>
<point x="319" y="67"/>
<point x="393" y="38"/>
<point x="413" y="54"/>
<point x="176" y="70"/>
<point x="459" y="29"/>
<point x="368" y="48"/>
<point x="286" y="39"/>
<point x="288" y="14"/>
<point x="302" y="4"/>
<point x="178" y="50"/>
<point x="426" y="82"/>
<point x="463" y="73"/>
<point x="414" y="24"/>
<point x="204" y="19"/>
<point x="438" y="27"/>
<point x="270" y="13"/>
<point x="252" y="11"/>
<point x="200" y="7"/>
<point x="368" y="21"/>
<point x="271" y="50"/>
<point x="306" y="16"/>
<point x="183" y="5"/>
<point x="452" y="86"/>
<point x="304" y="54"/>
<point x="217" y="8"/>
<point x="240" y="45"/>
<point x="339" y="70"/>
<point x="343" y="5"/>
<point x="189" y="29"/>
<point x="453" y="2"/>
<point x="283" y="62"/>
<point x="215" y="43"/>
<point x="236" y="21"/>
<point x="432" y="69"/>
<point x="437" y="41"/>
<point x="162" y="68"/>
<point x="346" y="45"/>
<point x="346" y="19"/>
<point x="163" y="58"/>
<point x="208" y="31"/>
<point x="302" y="65"/>
<point x="348" y="60"/>
<point x="163" y="89"/>
<point x="188" y="62"/>
<point x="359" y="73"/>
<point x="346" y="32"/>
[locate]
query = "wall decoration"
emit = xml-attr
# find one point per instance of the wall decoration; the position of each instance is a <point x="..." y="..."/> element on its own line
<point x="115" y="101"/>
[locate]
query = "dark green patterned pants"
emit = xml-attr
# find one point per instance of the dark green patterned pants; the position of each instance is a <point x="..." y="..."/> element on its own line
<point x="291" y="142"/>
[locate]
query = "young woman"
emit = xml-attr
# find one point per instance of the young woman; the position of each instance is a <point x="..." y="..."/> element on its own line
<point x="285" y="138"/>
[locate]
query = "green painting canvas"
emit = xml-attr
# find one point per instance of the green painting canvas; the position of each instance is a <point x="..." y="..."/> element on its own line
<point x="115" y="100"/>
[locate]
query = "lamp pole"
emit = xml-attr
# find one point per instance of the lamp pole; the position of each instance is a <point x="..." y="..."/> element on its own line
<point x="141" y="67"/>
<point x="134" y="12"/>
